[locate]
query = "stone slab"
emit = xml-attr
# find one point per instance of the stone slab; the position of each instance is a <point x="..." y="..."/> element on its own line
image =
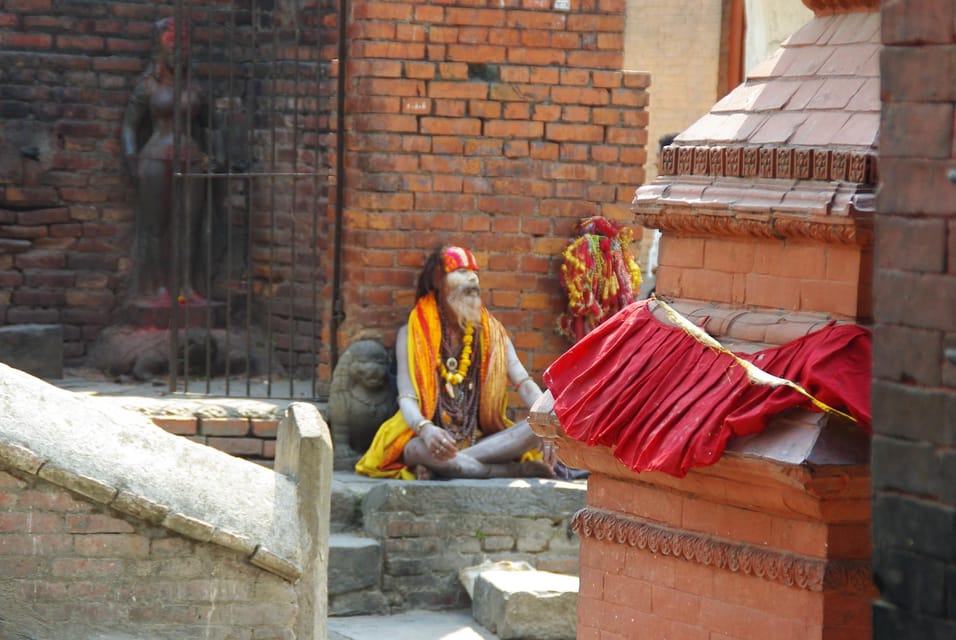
<point x="526" y="605"/>
<point x="355" y="562"/>
<point x="34" y="348"/>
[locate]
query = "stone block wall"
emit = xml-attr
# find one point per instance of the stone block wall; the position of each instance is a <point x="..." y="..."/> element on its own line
<point x="71" y="564"/>
<point x="914" y="348"/>
<point x="430" y="530"/>
<point x="496" y="125"/>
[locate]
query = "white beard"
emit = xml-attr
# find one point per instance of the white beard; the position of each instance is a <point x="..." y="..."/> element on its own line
<point x="464" y="297"/>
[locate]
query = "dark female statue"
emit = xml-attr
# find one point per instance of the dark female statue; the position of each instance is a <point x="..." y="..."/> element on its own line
<point x="168" y="232"/>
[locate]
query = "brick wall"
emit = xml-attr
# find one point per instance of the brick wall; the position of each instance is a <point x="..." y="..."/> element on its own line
<point x="734" y="553"/>
<point x="827" y="278"/>
<point x="66" y="203"/>
<point x="496" y="125"/>
<point x="914" y="389"/>
<point x="253" y="439"/>
<point x="78" y="570"/>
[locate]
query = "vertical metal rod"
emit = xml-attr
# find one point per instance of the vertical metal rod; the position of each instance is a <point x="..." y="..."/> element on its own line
<point x="227" y="193"/>
<point x="250" y="188"/>
<point x="210" y="107"/>
<point x="295" y="186"/>
<point x="177" y="197"/>
<point x="315" y="213"/>
<point x="337" y="303"/>
<point x="273" y="117"/>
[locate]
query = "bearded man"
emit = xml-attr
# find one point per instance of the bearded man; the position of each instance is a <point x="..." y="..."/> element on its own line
<point x="455" y="362"/>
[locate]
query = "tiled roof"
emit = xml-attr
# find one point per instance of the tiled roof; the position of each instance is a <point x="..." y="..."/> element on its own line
<point x="820" y="89"/>
<point x="790" y="153"/>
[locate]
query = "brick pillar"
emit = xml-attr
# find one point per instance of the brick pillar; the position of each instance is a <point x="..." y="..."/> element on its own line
<point x="914" y="387"/>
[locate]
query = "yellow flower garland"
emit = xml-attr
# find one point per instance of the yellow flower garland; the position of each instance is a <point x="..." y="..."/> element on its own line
<point x="464" y="361"/>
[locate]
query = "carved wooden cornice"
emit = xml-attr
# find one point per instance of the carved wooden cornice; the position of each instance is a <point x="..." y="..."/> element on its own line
<point x="792" y="163"/>
<point x="812" y="574"/>
<point x="818" y="195"/>
<point x="688" y="220"/>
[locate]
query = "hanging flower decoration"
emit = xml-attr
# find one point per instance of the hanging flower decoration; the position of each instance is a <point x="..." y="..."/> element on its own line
<point x="599" y="275"/>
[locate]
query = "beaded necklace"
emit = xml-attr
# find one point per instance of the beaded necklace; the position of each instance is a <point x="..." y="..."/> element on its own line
<point x="454" y="370"/>
<point x="457" y="410"/>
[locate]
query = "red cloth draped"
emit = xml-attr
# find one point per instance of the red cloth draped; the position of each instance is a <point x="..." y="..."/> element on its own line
<point x="666" y="402"/>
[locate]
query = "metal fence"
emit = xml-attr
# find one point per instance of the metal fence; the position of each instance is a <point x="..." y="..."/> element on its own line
<point x="257" y="242"/>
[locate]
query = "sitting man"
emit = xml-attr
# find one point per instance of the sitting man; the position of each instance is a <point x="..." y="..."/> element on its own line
<point x="455" y="362"/>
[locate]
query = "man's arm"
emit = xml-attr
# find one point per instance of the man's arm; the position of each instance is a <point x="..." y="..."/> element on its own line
<point x="527" y="388"/>
<point x="436" y="440"/>
<point x="407" y="398"/>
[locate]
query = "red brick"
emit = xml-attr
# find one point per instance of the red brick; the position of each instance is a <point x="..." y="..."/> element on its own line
<point x="236" y="446"/>
<point x="739" y="622"/>
<point x="267" y="428"/>
<point x="917" y="22"/>
<point x="224" y="426"/>
<point x="757" y="596"/>
<point x="840" y="298"/>
<point x="472" y="53"/>
<point x="916" y="130"/>
<point x="631" y="592"/>
<point x="95" y="523"/>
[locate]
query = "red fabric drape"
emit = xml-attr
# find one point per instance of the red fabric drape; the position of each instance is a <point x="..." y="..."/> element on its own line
<point x="666" y="402"/>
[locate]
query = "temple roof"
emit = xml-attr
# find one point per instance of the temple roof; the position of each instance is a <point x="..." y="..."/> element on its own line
<point x="791" y="152"/>
<point x="821" y="88"/>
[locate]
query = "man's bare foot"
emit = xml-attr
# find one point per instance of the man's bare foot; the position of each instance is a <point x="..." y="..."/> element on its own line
<point x="422" y="472"/>
<point x="529" y="469"/>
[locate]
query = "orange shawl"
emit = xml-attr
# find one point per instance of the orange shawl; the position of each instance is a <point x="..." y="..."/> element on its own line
<point x="383" y="459"/>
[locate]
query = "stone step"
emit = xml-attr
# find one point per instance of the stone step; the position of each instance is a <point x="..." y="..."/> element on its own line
<point x="348" y="491"/>
<point x="528" y="605"/>
<point x="355" y="574"/>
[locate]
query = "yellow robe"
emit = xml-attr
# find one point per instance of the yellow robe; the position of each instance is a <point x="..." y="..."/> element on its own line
<point x="384" y="457"/>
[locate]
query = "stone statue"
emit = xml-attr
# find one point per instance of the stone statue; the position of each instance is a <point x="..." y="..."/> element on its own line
<point x="131" y="353"/>
<point x="168" y="230"/>
<point x="361" y="397"/>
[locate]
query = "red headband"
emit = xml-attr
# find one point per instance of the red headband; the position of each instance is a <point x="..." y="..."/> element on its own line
<point x="457" y="258"/>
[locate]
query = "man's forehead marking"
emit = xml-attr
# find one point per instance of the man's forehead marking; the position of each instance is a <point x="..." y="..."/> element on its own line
<point x="458" y="258"/>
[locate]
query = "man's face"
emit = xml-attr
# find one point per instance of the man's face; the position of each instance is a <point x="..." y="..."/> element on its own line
<point x="463" y="295"/>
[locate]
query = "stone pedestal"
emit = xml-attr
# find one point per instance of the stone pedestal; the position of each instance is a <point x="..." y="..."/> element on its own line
<point x="771" y="542"/>
<point x="150" y="316"/>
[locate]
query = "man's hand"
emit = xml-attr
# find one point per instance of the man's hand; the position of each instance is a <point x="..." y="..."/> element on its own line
<point x="549" y="454"/>
<point x="439" y="443"/>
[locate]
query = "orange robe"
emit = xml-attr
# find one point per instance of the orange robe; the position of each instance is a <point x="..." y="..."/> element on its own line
<point x="384" y="457"/>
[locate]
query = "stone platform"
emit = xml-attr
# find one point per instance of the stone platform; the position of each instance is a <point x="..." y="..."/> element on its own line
<point x="399" y="545"/>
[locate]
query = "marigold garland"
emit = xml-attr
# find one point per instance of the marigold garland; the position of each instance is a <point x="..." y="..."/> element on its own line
<point x="599" y="275"/>
<point x="458" y="376"/>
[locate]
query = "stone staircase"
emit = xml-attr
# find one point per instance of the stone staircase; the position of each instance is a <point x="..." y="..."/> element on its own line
<point x="399" y="546"/>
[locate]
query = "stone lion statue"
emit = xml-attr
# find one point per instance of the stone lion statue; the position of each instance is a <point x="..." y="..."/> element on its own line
<point x="361" y="397"/>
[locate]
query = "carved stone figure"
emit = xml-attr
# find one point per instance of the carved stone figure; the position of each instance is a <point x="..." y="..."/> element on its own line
<point x="168" y="230"/>
<point x="361" y="397"/>
<point x="131" y="353"/>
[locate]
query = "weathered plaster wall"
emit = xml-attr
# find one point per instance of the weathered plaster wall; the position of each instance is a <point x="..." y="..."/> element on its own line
<point x="678" y="43"/>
